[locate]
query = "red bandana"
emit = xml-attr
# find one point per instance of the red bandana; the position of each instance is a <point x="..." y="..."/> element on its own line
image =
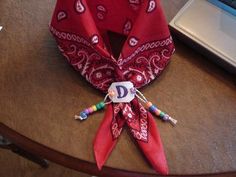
<point x="80" y="28"/>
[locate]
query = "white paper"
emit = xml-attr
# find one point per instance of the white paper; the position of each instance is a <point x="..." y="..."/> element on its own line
<point x="122" y="92"/>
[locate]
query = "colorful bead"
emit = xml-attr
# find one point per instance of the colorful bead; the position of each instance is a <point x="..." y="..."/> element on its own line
<point x="90" y="110"/>
<point x="83" y="115"/>
<point x="166" y="117"/>
<point x="111" y="93"/>
<point x="102" y="104"/>
<point x="94" y="108"/>
<point x="148" y="104"/>
<point x="133" y="90"/>
<point x="86" y="111"/>
<point x="162" y="114"/>
<point x="157" y="112"/>
<point x="98" y="106"/>
<point x="152" y="108"/>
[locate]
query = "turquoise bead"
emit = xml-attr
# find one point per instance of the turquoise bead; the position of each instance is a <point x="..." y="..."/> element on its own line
<point x="162" y="114"/>
<point x="102" y="104"/>
<point x="98" y="106"/>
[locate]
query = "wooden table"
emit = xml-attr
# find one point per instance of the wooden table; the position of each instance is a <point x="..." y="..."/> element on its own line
<point x="40" y="93"/>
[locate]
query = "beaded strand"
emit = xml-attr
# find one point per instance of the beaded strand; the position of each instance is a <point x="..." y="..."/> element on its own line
<point x="88" y="111"/>
<point x="165" y="117"/>
<point x="153" y="109"/>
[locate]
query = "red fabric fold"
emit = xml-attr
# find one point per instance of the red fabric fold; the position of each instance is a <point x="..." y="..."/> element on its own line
<point x="141" y="125"/>
<point x="104" y="141"/>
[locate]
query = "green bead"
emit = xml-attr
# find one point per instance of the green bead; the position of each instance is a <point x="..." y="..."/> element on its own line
<point x="162" y="114"/>
<point x="100" y="105"/>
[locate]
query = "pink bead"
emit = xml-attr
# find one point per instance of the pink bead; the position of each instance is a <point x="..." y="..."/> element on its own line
<point x="90" y="110"/>
<point x="86" y="111"/>
<point x="157" y="112"/>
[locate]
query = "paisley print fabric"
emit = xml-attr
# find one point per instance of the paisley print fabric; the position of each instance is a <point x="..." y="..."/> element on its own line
<point x="80" y="29"/>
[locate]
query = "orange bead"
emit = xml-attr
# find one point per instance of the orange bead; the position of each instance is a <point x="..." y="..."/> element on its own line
<point x="148" y="104"/>
<point x="111" y="93"/>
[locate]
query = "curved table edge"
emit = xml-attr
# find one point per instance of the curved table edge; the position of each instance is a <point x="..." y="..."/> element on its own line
<point x="78" y="164"/>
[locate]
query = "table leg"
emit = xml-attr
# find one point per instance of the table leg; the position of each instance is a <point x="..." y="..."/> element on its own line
<point x="6" y="144"/>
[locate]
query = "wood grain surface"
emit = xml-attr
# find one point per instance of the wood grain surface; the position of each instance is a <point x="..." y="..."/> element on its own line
<point x="40" y="93"/>
<point x="16" y="166"/>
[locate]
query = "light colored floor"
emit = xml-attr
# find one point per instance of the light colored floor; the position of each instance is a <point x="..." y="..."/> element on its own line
<point x="12" y="165"/>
